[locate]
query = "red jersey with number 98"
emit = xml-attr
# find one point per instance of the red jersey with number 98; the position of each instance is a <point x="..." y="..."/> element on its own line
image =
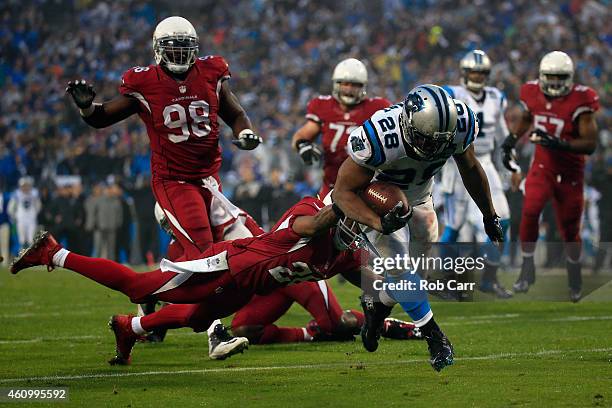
<point x="336" y="125"/>
<point x="559" y="118"/>
<point x="180" y="116"/>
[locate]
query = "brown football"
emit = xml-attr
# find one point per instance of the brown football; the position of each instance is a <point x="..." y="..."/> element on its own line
<point x="382" y="197"/>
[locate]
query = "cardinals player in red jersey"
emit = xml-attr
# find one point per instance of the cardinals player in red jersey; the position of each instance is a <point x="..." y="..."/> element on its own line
<point x="310" y="242"/>
<point x="335" y="117"/>
<point x="180" y="99"/>
<point x="564" y="130"/>
<point x="255" y="321"/>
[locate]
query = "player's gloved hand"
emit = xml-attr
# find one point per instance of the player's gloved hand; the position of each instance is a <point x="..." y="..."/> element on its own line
<point x="509" y="154"/>
<point x="82" y="93"/>
<point x="395" y="219"/>
<point x="247" y="140"/>
<point x="544" y="139"/>
<point x="493" y="229"/>
<point x="308" y="151"/>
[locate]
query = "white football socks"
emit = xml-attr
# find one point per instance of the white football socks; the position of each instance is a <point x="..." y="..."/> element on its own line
<point x="137" y="327"/>
<point x="60" y="257"/>
<point x="307" y="337"/>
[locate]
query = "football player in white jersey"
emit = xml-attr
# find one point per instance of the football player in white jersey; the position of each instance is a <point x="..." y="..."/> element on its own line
<point x="23" y="208"/>
<point x="488" y="104"/>
<point x="407" y="144"/>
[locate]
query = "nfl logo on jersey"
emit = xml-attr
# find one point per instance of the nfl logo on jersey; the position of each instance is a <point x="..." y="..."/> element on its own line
<point x="182" y="89"/>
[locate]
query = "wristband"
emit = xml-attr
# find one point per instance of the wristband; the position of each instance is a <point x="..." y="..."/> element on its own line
<point x="299" y="142"/>
<point x="245" y="132"/>
<point x="88" y="111"/>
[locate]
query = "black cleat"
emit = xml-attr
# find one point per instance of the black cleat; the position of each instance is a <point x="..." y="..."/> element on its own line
<point x="157" y="335"/>
<point x="520" y="286"/>
<point x="575" y="295"/>
<point x="440" y="350"/>
<point x="526" y="278"/>
<point x="496" y="289"/>
<point x="221" y="344"/>
<point x="400" y="330"/>
<point x="375" y="314"/>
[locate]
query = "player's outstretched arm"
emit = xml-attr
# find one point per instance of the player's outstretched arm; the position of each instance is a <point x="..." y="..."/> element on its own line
<point x="353" y="178"/>
<point x="100" y="115"/>
<point x="311" y="225"/>
<point x="234" y="115"/>
<point x="302" y="142"/>
<point x="477" y="184"/>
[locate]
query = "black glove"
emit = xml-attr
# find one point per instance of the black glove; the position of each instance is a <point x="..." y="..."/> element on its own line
<point x="308" y="151"/>
<point x="493" y="229"/>
<point x="394" y="219"/>
<point x="509" y="154"/>
<point x="542" y="138"/>
<point x="247" y="140"/>
<point x="82" y="93"/>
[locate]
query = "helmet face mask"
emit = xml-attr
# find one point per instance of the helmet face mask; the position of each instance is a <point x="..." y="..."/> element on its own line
<point x="177" y="54"/>
<point x="175" y="44"/>
<point x="556" y="74"/>
<point x="349" y="93"/>
<point x="347" y="235"/>
<point x="423" y="126"/>
<point x="475" y="83"/>
<point x="427" y="146"/>
<point x="347" y="78"/>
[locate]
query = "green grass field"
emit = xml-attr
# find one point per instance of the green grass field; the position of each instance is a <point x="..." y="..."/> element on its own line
<point x="525" y="354"/>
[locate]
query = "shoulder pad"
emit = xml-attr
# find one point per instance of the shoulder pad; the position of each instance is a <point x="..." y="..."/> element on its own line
<point x="467" y="127"/>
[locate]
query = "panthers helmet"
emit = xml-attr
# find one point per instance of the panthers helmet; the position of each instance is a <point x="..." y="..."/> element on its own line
<point x="475" y="61"/>
<point x="348" y="234"/>
<point x="428" y="120"/>
<point x="560" y="65"/>
<point x="175" y="44"/>
<point x="350" y="70"/>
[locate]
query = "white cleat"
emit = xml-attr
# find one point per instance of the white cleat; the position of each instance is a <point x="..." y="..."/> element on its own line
<point x="221" y="344"/>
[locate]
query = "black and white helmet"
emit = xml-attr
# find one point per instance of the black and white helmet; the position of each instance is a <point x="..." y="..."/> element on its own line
<point x="175" y="44"/>
<point x="475" y="61"/>
<point x="428" y="120"/>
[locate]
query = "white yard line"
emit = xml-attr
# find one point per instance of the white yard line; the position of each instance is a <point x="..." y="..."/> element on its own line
<point x="297" y="367"/>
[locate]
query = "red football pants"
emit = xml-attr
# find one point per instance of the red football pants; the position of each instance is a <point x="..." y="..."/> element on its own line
<point x="263" y="311"/>
<point x="568" y="202"/>
<point x="187" y="206"/>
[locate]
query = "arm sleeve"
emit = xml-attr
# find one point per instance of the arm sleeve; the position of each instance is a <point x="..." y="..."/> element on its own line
<point x="360" y="148"/>
<point x="223" y="68"/>
<point x="524" y="97"/>
<point x="312" y="111"/>
<point x="589" y="103"/>
<point x="467" y="127"/>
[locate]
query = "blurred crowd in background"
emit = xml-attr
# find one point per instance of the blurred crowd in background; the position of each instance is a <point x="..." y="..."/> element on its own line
<point x="281" y="54"/>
